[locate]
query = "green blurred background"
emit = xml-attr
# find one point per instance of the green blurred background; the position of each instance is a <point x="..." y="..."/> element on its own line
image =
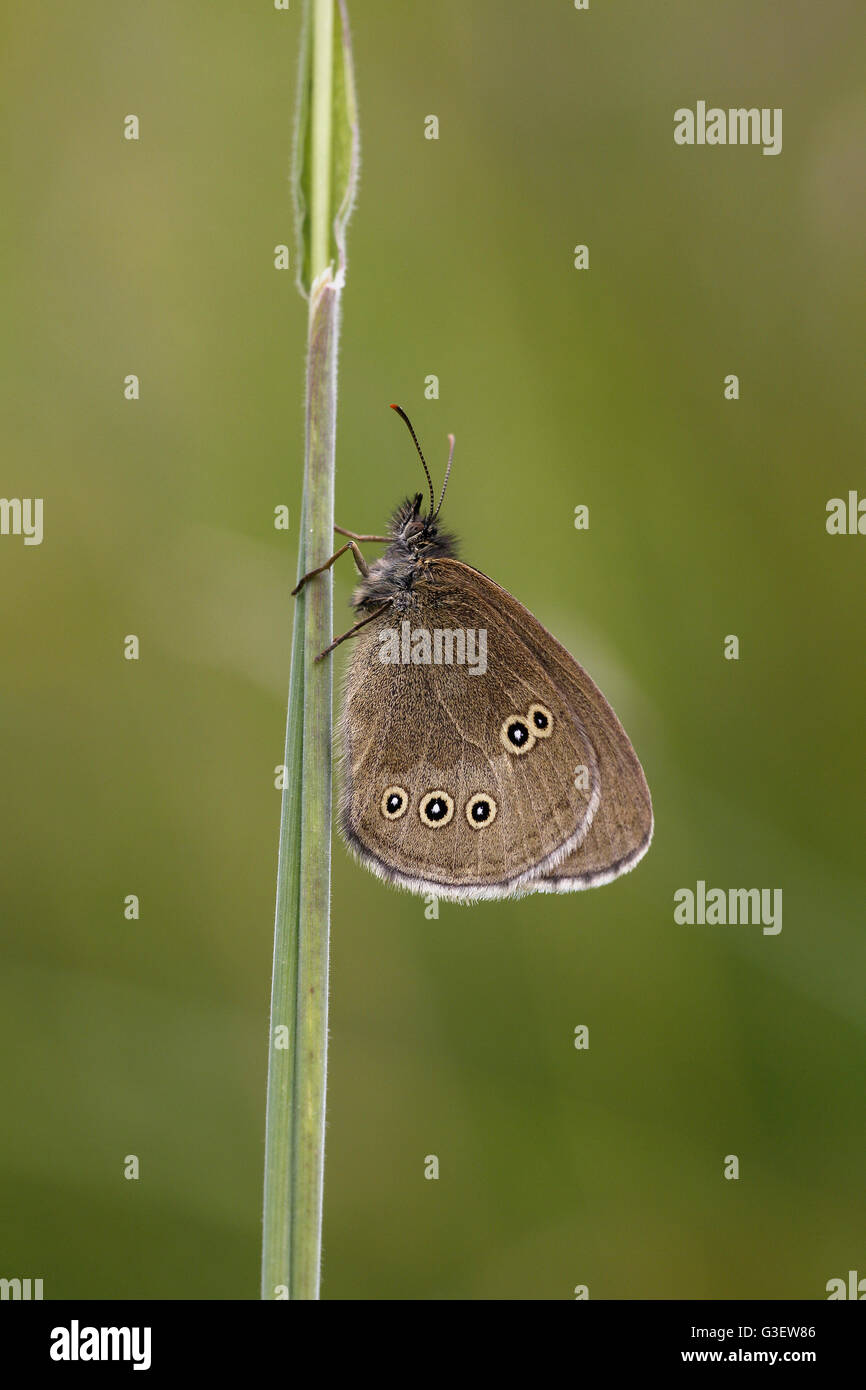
<point x="602" y="387"/>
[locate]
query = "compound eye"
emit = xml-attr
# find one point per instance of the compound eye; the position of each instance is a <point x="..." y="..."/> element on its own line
<point x="516" y="734"/>
<point x="481" y="810"/>
<point x="436" y="809"/>
<point x="395" y="802"/>
<point x="541" y="720"/>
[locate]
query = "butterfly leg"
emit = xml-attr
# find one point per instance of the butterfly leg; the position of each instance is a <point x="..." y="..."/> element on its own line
<point x="355" y="537"/>
<point x="352" y="630"/>
<point x="357" y="556"/>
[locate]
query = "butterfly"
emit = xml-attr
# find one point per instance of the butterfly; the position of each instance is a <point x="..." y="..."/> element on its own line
<point x="479" y="760"/>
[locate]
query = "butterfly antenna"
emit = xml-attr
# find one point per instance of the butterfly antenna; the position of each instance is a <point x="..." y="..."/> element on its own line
<point x="403" y="416"/>
<point x="447" y="475"/>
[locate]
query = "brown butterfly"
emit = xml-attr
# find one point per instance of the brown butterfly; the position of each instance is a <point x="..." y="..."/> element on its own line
<point x="479" y="759"/>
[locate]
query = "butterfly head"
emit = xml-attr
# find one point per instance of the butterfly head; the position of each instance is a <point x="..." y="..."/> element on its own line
<point x="416" y="539"/>
<point x="413" y="530"/>
<point x="417" y="532"/>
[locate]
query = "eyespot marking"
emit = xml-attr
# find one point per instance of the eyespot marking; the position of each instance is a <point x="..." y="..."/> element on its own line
<point x="436" y="809"/>
<point x="541" y="720"/>
<point x="481" y="810"/>
<point x="395" y="802"/>
<point x="516" y="735"/>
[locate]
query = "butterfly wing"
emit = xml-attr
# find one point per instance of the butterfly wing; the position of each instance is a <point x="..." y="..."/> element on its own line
<point x="597" y="861"/>
<point x="466" y="778"/>
<point x="620" y="833"/>
<point x="622" y="824"/>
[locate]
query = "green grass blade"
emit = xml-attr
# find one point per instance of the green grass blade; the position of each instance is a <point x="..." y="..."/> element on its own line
<point x="282" y="1048"/>
<point x="327" y="143"/>
<point x="326" y="167"/>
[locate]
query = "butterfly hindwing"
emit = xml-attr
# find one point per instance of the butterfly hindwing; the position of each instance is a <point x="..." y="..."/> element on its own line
<point x="622" y="824"/>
